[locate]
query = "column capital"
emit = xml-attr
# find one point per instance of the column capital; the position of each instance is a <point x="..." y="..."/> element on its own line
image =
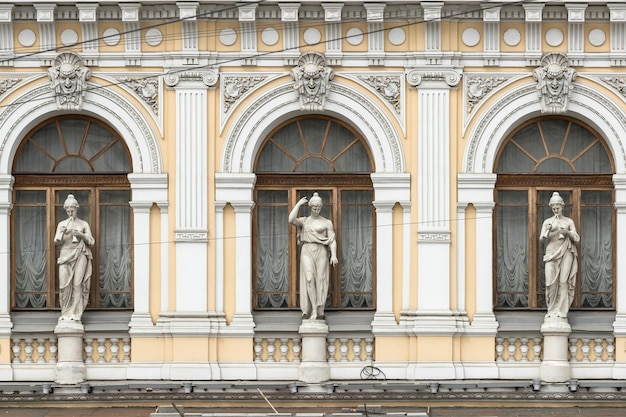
<point x="332" y="12"/>
<point x="130" y="12"/>
<point x="191" y="79"/>
<point x="242" y="206"/>
<point x="427" y="78"/>
<point x="289" y="11"/>
<point x="87" y="12"/>
<point x="533" y="11"/>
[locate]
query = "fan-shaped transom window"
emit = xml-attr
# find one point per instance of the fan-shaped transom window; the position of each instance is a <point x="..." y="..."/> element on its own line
<point x="72" y="145"/>
<point x="341" y="163"/>
<point x="541" y="157"/>
<point x="83" y="157"/>
<point x="314" y="145"/>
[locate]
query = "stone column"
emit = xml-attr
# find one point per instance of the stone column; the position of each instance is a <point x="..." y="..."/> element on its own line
<point x="314" y="367"/>
<point x="70" y="368"/>
<point x="555" y="367"/>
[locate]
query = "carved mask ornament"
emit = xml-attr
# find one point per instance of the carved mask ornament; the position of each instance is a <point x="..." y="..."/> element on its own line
<point x="554" y="82"/>
<point x="312" y="80"/>
<point x="68" y="78"/>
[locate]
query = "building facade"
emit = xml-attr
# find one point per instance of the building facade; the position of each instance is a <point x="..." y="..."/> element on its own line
<point x="435" y="132"/>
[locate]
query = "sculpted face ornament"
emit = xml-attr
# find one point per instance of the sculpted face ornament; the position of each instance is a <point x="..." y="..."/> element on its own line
<point x="312" y="80"/>
<point x="68" y="78"/>
<point x="554" y="82"/>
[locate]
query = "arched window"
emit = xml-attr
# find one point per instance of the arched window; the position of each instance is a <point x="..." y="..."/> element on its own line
<point x="79" y="156"/>
<point x="304" y="156"/>
<point x="540" y="157"/>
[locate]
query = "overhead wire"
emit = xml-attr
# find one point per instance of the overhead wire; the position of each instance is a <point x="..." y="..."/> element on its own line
<point x="255" y="55"/>
<point x="224" y="61"/>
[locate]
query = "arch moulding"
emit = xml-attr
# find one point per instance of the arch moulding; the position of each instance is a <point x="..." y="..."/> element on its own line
<point x="39" y="104"/>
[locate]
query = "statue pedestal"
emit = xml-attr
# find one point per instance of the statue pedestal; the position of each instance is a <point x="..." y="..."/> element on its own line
<point x="555" y="366"/>
<point x="70" y="368"/>
<point x="314" y="365"/>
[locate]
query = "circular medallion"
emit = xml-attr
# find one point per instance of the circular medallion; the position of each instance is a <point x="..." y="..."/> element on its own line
<point x="228" y="37"/>
<point x="471" y="37"/>
<point x="354" y="36"/>
<point x="111" y="36"/>
<point x="312" y="36"/>
<point x="269" y="36"/>
<point x="69" y="37"/>
<point x="154" y="37"/>
<point x="397" y="36"/>
<point x="512" y="37"/>
<point x="597" y="37"/>
<point x="26" y="37"/>
<point x="554" y="37"/>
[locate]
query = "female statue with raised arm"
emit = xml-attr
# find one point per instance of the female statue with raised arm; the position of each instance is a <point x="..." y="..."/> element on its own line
<point x="317" y="236"/>
<point x="560" y="259"/>
<point x="74" y="236"/>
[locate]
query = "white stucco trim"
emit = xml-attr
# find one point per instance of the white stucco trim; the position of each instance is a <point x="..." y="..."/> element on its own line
<point x="281" y="103"/>
<point x="39" y="104"/>
<point x="586" y="104"/>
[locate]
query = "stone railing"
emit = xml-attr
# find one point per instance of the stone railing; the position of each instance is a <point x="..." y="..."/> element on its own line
<point x="34" y="356"/>
<point x="277" y="356"/>
<point x="519" y="355"/>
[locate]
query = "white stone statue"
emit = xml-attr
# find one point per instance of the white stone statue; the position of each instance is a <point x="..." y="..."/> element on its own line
<point x="317" y="237"/>
<point x="75" y="262"/>
<point x="560" y="259"/>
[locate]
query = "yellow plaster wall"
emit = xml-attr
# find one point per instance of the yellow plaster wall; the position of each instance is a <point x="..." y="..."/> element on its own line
<point x="191" y="349"/>
<point x="391" y="349"/>
<point x="434" y="348"/>
<point x="477" y="349"/>
<point x="235" y="349"/>
<point x="5" y="350"/>
<point x="148" y="349"/>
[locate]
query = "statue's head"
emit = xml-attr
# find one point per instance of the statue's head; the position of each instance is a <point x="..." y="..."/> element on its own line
<point x="556" y="200"/>
<point x="316" y="200"/>
<point x="70" y="202"/>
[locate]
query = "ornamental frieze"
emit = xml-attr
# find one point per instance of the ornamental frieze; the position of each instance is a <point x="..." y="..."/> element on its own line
<point x="479" y="87"/>
<point x="8" y="83"/>
<point x="618" y="83"/>
<point x="237" y="87"/>
<point x="389" y="87"/>
<point x="147" y="88"/>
